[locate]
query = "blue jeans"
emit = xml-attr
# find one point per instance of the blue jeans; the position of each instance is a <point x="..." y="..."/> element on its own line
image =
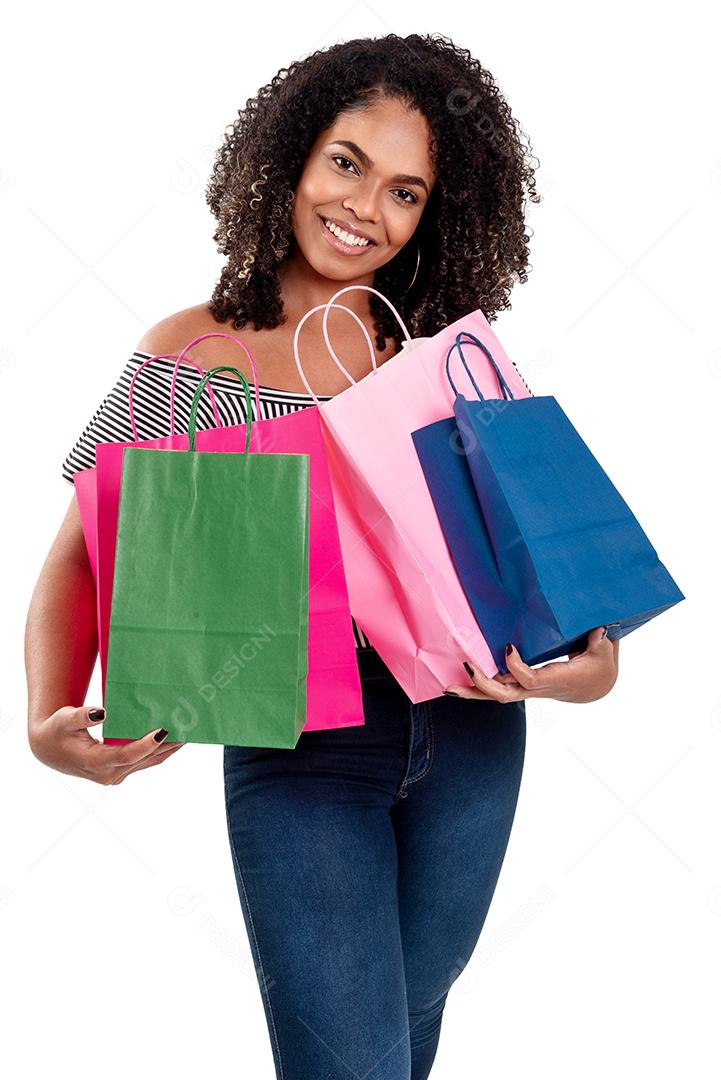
<point x="366" y="859"/>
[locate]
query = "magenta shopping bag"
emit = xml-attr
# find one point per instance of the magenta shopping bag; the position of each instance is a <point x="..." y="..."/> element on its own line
<point x="85" y="481"/>
<point x="334" y="697"/>
<point x="404" y="589"/>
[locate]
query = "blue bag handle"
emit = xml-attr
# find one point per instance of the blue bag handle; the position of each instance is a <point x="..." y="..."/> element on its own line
<point x="506" y="391"/>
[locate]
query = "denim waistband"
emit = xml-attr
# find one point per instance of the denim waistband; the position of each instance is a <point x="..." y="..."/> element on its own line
<point x="370" y="664"/>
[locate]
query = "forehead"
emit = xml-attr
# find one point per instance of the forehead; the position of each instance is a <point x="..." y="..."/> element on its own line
<point x="395" y="137"/>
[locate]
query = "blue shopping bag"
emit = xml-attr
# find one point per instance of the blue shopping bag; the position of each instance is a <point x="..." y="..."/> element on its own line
<point x="544" y="545"/>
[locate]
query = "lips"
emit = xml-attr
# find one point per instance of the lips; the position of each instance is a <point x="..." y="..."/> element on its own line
<point x="348" y="228"/>
<point x="353" y="251"/>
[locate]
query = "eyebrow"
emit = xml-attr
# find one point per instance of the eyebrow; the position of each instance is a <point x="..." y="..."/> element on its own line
<point x="402" y="178"/>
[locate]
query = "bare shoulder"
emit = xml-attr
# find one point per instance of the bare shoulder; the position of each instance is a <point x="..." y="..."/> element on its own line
<point x="174" y="332"/>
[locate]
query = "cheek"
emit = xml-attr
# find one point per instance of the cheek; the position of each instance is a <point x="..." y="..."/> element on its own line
<point x="401" y="227"/>
<point x="315" y="189"/>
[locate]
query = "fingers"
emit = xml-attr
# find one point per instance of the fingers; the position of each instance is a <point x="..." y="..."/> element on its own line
<point x="110" y="764"/>
<point x="525" y="675"/>
<point x="554" y="679"/>
<point x="88" y="716"/>
<point x="69" y="718"/>
<point x="118" y="775"/>
<point x="95" y="715"/>
<point x="114" y="763"/>
<point x="134" y="753"/>
<point x="595" y="637"/>
<point x="501" y="688"/>
<point x="469" y="692"/>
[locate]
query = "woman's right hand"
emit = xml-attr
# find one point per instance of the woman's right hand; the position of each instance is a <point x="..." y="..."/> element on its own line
<point x="64" y="742"/>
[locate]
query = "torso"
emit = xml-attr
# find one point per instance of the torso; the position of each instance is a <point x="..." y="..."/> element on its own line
<point x="272" y="349"/>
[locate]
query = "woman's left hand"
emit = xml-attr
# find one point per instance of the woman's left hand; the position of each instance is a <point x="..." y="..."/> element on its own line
<point x="585" y="676"/>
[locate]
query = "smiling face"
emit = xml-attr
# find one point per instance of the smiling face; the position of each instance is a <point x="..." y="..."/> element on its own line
<point x="371" y="173"/>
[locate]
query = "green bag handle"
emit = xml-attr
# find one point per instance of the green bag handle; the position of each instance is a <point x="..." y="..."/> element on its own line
<point x="198" y="394"/>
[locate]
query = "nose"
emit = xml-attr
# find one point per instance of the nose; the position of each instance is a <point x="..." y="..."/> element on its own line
<point x="363" y="203"/>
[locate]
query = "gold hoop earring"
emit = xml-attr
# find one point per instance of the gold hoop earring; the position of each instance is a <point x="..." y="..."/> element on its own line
<point x="418" y="263"/>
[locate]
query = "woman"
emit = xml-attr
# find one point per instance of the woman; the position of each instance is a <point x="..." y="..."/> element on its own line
<point x="365" y="858"/>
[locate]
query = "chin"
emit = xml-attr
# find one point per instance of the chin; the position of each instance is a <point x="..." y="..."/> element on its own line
<point x="327" y="268"/>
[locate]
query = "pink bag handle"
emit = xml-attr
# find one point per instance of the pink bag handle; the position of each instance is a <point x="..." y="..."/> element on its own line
<point x="321" y="307"/>
<point x="326" y="308"/>
<point x="367" y="288"/>
<point x="180" y="360"/>
<point x="165" y="356"/>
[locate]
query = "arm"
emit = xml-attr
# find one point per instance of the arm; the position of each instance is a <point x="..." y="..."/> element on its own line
<point x="61" y="646"/>
<point x="61" y="641"/>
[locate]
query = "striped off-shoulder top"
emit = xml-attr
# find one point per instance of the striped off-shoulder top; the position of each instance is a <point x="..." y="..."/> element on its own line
<point x="151" y="410"/>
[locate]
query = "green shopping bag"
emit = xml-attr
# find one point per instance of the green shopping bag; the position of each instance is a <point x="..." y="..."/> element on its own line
<point x="209" y="618"/>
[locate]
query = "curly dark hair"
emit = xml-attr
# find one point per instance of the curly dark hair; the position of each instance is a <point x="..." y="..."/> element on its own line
<point x="472" y="229"/>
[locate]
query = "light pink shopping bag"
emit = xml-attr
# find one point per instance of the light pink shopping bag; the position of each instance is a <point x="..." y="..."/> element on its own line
<point x="403" y="587"/>
<point x="334" y="697"/>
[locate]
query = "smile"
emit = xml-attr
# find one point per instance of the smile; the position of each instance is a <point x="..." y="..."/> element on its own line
<point x="341" y="246"/>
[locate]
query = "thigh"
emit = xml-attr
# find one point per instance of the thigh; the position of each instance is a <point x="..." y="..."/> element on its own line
<point x="452" y="832"/>
<point x="315" y="860"/>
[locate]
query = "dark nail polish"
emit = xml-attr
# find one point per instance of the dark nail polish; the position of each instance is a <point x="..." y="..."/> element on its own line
<point x="468" y="668"/>
<point x="160" y="735"/>
<point x="97" y="714"/>
<point x="509" y="647"/>
<point x="451" y="693"/>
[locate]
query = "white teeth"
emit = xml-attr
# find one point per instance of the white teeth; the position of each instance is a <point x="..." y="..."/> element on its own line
<point x="347" y="238"/>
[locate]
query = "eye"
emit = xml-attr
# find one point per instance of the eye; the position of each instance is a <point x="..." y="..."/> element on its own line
<point x="340" y="157"/>
<point x="413" y="198"/>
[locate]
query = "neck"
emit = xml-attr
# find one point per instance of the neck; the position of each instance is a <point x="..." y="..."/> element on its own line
<point x="303" y="288"/>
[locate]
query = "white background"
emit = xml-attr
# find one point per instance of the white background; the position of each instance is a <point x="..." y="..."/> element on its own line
<point x="123" y="945"/>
